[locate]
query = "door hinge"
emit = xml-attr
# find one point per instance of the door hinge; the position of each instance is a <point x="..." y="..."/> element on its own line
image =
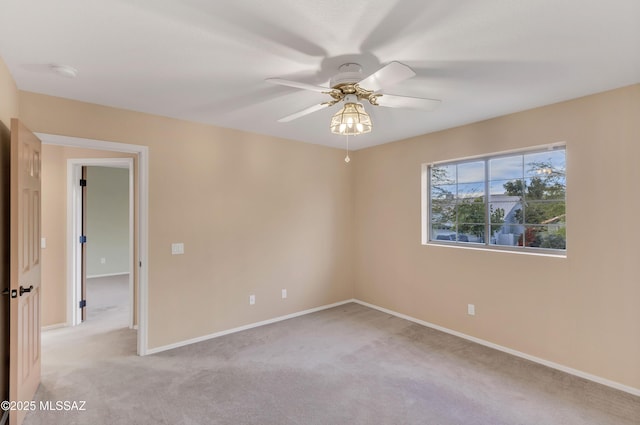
<point x="83" y="303"/>
<point x="140" y="263"/>
<point x="83" y="182"/>
<point x="83" y="239"/>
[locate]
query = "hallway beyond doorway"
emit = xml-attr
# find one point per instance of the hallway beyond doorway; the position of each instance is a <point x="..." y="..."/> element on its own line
<point x="108" y="299"/>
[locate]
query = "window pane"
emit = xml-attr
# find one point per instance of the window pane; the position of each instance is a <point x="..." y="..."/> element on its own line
<point x="506" y="235"/>
<point x="552" y="236"/>
<point x="549" y="187"/>
<point x="470" y="219"/>
<point x="443" y="192"/>
<point x="511" y="187"/>
<point x="544" y="212"/>
<point x="506" y="168"/>
<point x="471" y="172"/>
<point x="506" y="212"/>
<point x="471" y="191"/>
<point x="443" y="174"/>
<point x="440" y="232"/>
<point x="443" y="212"/>
<point x="471" y="211"/>
<point x="471" y="232"/>
<point x="547" y="163"/>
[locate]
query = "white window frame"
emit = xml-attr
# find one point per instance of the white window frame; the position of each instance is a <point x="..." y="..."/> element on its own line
<point x="486" y="245"/>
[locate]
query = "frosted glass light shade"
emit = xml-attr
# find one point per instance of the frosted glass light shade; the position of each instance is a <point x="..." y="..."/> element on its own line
<point x="352" y="119"/>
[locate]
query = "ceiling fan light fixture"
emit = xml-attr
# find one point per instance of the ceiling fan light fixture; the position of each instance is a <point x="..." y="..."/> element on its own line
<point x="351" y="120"/>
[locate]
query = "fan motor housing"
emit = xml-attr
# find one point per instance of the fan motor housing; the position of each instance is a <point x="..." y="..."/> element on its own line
<point x="349" y="73"/>
<point x="346" y="83"/>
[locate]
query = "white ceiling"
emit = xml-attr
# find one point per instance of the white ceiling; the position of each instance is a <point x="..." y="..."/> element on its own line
<point x="206" y="61"/>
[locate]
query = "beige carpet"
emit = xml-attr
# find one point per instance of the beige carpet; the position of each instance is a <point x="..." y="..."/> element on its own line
<point x="346" y="365"/>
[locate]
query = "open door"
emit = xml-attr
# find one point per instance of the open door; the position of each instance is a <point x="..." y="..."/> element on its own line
<point x="24" y="375"/>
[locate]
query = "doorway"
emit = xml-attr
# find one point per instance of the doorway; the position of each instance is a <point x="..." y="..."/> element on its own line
<point x="140" y="225"/>
<point x="101" y="214"/>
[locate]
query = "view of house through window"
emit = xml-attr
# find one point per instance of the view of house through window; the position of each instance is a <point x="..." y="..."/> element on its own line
<point x="513" y="200"/>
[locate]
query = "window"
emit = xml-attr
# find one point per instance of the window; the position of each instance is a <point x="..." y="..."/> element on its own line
<point x="511" y="201"/>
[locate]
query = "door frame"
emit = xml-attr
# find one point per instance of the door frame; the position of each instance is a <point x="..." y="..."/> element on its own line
<point x="142" y="221"/>
<point x="74" y="231"/>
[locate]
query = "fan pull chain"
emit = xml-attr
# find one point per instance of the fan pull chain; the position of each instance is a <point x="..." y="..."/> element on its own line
<point x="346" y="158"/>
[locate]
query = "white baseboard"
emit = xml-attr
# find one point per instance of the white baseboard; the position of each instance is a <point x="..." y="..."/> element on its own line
<point x="52" y="327"/>
<point x="244" y="328"/>
<point x="107" y="275"/>
<point x="566" y="369"/>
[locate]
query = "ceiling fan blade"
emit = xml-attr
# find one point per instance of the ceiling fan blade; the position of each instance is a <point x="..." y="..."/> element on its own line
<point x="304" y="112"/>
<point x="395" y="101"/>
<point x="298" y="85"/>
<point x="387" y="76"/>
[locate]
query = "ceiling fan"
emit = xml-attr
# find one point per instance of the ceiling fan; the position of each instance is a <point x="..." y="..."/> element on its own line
<point x="350" y="87"/>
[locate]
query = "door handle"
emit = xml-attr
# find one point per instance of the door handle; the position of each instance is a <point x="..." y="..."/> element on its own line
<point x="23" y="290"/>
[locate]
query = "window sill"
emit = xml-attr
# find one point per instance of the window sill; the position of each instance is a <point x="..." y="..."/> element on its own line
<point x="481" y="247"/>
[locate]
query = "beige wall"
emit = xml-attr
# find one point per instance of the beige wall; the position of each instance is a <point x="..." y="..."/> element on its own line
<point x="580" y="311"/>
<point x="8" y="96"/>
<point x="54" y="226"/>
<point x="256" y="214"/>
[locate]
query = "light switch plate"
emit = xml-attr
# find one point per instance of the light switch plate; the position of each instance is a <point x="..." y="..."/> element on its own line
<point x="177" y="248"/>
<point x="43" y="243"/>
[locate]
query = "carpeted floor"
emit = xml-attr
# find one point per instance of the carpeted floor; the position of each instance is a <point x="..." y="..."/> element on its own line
<point x="108" y="300"/>
<point x="346" y="365"/>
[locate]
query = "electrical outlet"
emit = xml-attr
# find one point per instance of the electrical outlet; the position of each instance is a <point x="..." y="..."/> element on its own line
<point x="284" y="293"/>
<point x="103" y="260"/>
<point x="471" y="309"/>
<point x="252" y="299"/>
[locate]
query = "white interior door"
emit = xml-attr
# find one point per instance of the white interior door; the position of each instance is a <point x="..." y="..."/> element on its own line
<point x="24" y="375"/>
